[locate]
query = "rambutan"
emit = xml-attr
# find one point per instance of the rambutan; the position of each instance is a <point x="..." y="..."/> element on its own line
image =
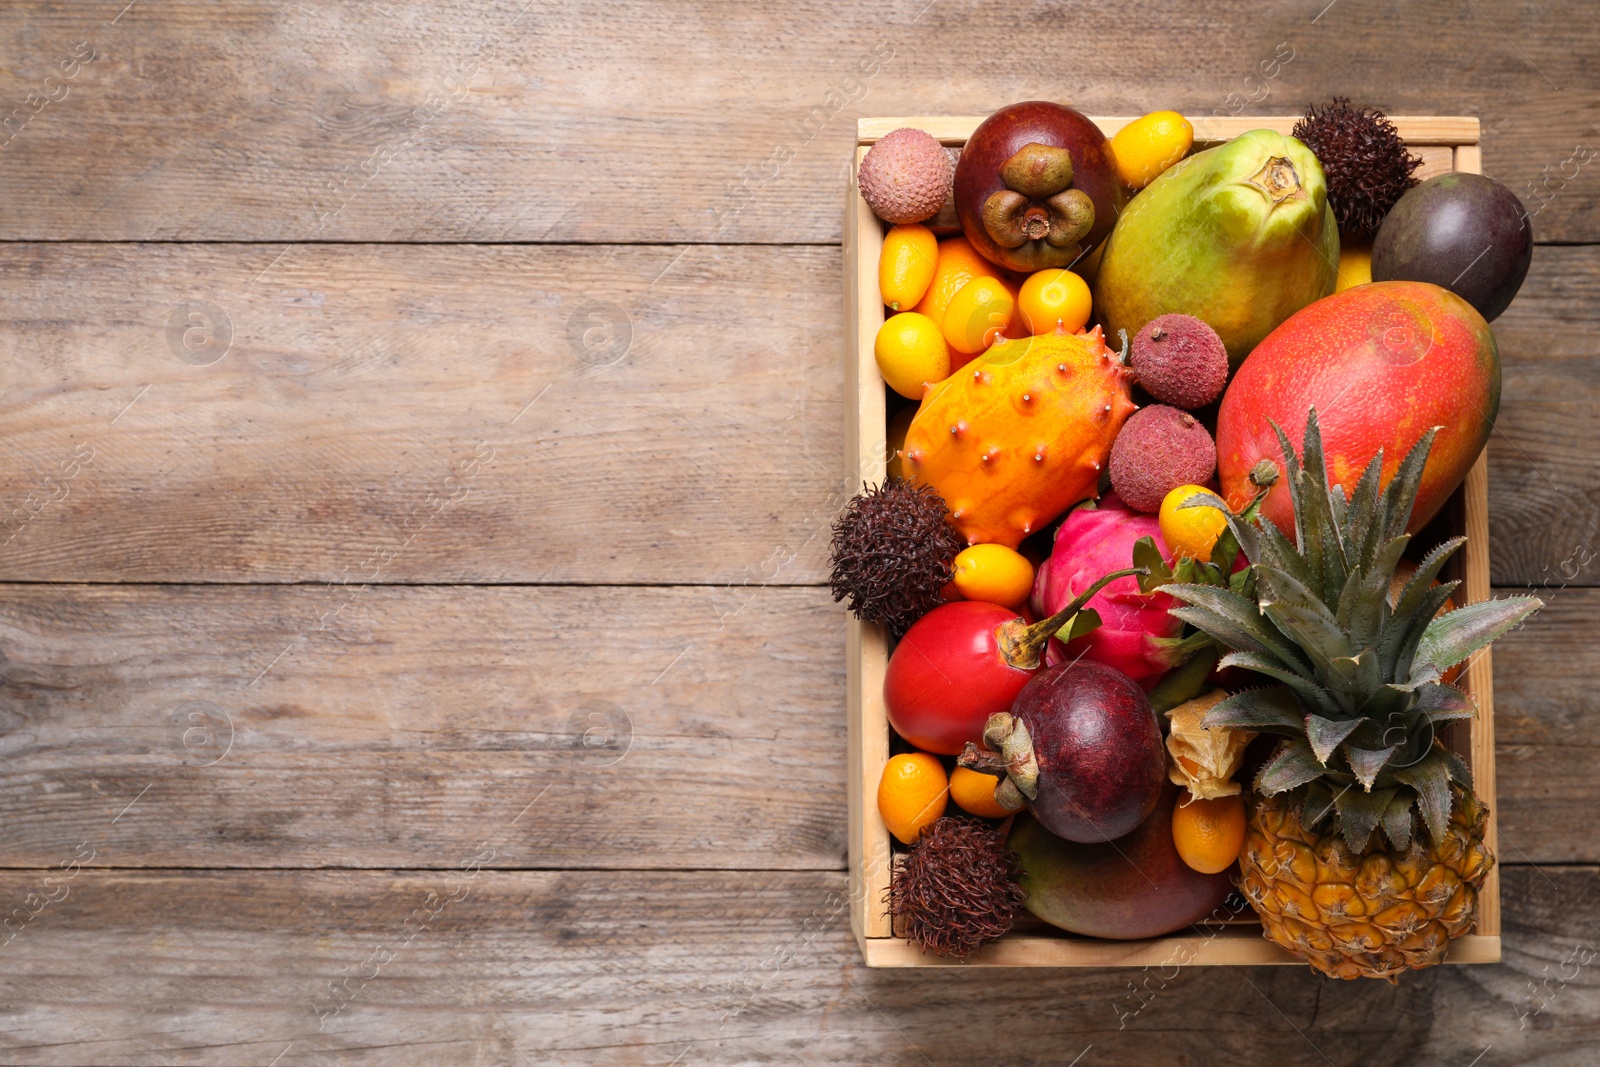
<point x="957" y="889"/>
<point x="892" y="552"/>
<point x="1364" y="160"/>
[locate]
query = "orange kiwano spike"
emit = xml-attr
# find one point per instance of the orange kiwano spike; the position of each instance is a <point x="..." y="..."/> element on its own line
<point x="1014" y="446"/>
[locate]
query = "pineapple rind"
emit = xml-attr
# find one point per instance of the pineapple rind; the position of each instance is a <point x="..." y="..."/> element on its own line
<point x="1373" y="915"/>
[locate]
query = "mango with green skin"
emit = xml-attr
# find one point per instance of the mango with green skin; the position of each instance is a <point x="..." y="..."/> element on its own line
<point x="1240" y="236"/>
<point x="1128" y="889"/>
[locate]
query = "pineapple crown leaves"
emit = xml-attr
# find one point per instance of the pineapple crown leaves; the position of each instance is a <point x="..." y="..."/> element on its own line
<point x="1360" y="692"/>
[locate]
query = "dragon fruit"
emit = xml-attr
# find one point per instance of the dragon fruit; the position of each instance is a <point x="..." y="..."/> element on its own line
<point x="1136" y="635"/>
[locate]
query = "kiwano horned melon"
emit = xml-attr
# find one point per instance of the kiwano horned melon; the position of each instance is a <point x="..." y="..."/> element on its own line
<point x="1240" y="236"/>
<point x="1020" y="434"/>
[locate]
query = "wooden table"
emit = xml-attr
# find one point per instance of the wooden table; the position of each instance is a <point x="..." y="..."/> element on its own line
<point x="422" y="424"/>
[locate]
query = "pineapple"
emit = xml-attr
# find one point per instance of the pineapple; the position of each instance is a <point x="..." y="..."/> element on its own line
<point x="1336" y="861"/>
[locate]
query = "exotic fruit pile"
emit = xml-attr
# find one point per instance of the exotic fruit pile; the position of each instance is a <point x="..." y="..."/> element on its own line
<point x="1163" y="427"/>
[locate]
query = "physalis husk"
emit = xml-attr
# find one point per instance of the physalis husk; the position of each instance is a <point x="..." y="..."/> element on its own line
<point x="1205" y="760"/>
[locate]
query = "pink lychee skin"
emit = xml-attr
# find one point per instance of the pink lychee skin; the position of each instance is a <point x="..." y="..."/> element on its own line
<point x="1094" y="541"/>
<point x="906" y="177"/>
<point x="1160" y="448"/>
<point x="1187" y="368"/>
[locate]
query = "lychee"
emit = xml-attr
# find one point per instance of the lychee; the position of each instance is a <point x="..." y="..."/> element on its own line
<point x="1159" y="449"/>
<point x="906" y="177"/>
<point x="1180" y="360"/>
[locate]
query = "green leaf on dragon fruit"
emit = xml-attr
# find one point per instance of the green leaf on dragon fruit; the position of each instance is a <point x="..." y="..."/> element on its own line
<point x="1148" y="556"/>
<point x="1081" y="623"/>
<point x="1225" y="552"/>
<point x="1243" y="582"/>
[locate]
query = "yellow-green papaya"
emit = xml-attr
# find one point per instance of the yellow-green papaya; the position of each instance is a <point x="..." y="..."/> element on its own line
<point x="1240" y="236"/>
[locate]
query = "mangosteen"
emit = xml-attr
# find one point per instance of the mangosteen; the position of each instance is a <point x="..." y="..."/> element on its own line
<point x="1081" y="747"/>
<point x="1036" y="187"/>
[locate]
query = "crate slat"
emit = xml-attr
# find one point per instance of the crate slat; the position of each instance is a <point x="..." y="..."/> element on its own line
<point x="1418" y="130"/>
<point x="866" y="654"/>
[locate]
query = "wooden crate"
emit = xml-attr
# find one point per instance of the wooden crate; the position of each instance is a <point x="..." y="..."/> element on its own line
<point x="1445" y="143"/>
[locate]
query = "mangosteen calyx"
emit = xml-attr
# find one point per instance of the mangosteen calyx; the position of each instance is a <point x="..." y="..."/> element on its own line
<point x="1038" y="203"/>
<point x="1009" y="756"/>
<point x="1038" y="170"/>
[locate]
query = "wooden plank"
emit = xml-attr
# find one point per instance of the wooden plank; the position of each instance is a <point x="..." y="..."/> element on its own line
<point x="580" y="968"/>
<point x="389" y="723"/>
<point x="1544" y="493"/>
<point x="707" y="454"/>
<point x="1544" y="485"/>
<point x="1548" y="339"/>
<point x="1545" y="707"/>
<point x="1480" y="680"/>
<point x="483" y="414"/>
<point x="689" y="123"/>
<point x="307" y="726"/>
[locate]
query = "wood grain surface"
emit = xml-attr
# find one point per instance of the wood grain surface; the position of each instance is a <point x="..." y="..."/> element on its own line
<point x="401" y="414"/>
<point x="308" y="726"/>
<point x="713" y="967"/>
<point x="528" y="120"/>
<point x="421" y="425"/>
<point x="312" y="726"/>
<point x="371" y="415"/>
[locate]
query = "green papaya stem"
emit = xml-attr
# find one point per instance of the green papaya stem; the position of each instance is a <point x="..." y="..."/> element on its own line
<point x="1021" y="644"/>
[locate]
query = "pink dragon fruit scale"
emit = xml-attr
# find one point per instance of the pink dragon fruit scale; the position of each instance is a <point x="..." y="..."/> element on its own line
<point x="1136" y="634"/>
